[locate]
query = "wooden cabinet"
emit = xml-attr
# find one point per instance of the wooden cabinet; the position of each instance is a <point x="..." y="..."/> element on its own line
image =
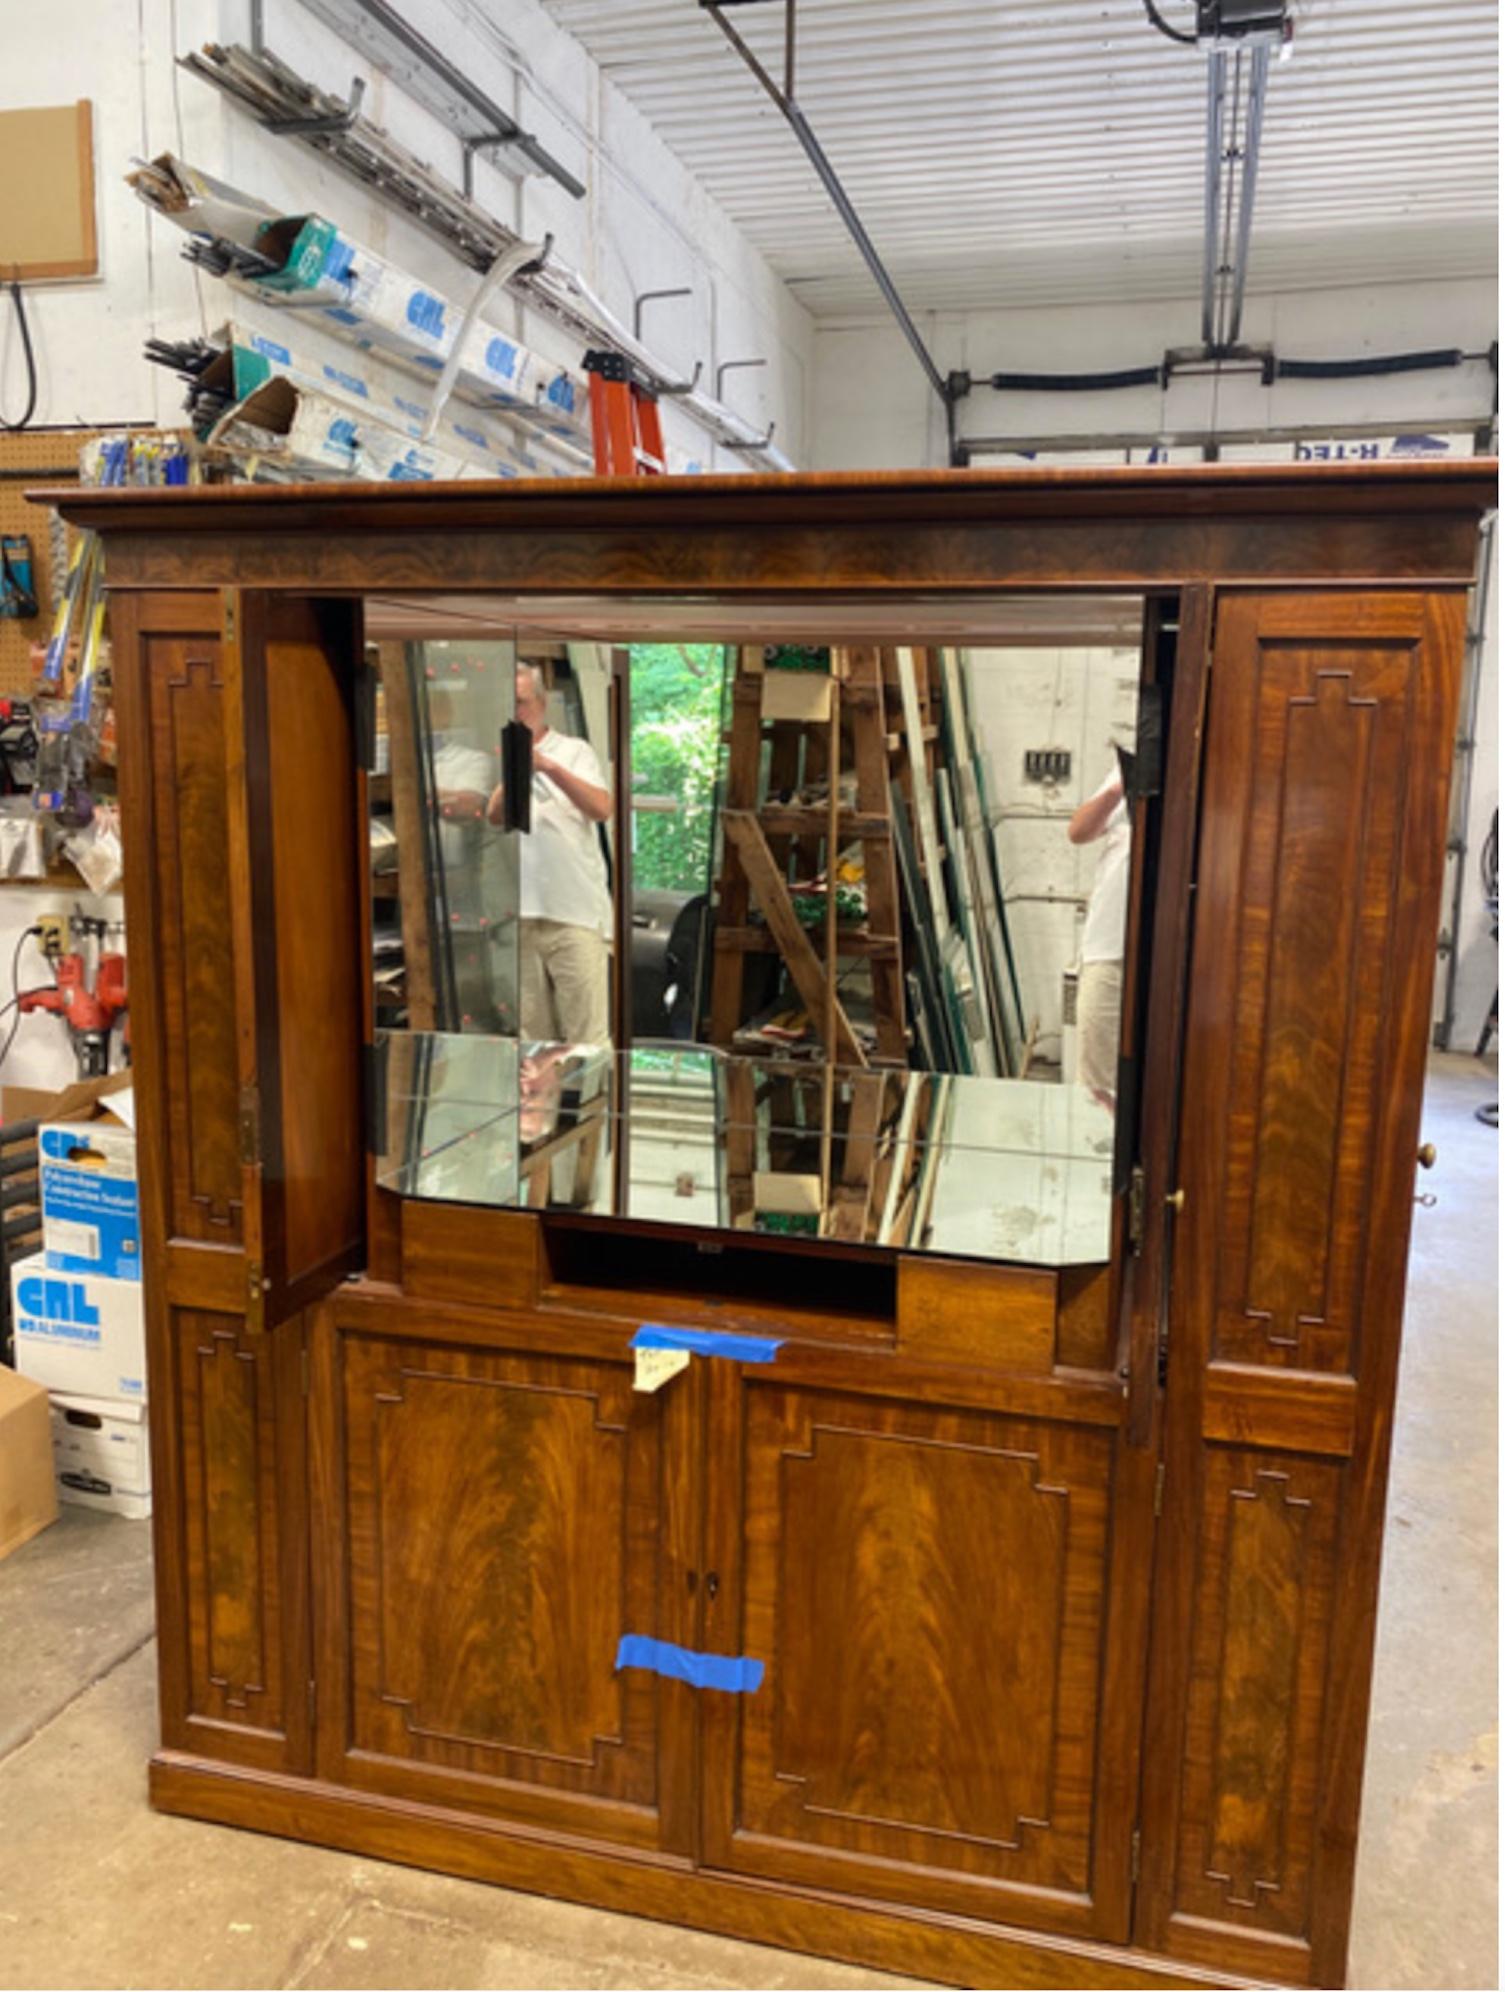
<point x="1063" y="1588"/>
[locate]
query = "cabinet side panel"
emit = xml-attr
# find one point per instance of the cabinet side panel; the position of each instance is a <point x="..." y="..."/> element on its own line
<point x="1319" y="873"/>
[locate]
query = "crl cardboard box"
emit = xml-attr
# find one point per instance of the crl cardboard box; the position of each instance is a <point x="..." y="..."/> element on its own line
<point x="91" y="1220"/>
<point x="101" y="1456"/>
<point x="77" y="1332"/>
<point x="28" y="1495"/>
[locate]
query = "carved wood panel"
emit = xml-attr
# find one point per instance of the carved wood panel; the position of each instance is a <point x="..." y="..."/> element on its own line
<point x="231" y="1521"/>
<point x="503" y="1513"/>
<point x="929" y="1590"/>
<point x="195" y="979"/>
<point x="1310" y="948"/>
<point x="1252" y="1764"/>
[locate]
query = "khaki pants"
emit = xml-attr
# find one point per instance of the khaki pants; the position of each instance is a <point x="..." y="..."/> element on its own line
<point x="565" y="984"/>
<point x="1099" y="999"/>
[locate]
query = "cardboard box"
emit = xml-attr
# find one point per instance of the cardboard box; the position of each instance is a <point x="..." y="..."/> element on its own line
<point x="109" y="1099"/>
<point x="79" y="1333"/>
<point x="91" y="1214"/>
<point x="101" y="1456"/>
<point x="28" y="1490"/>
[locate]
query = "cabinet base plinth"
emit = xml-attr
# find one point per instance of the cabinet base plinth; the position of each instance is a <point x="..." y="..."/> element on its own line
<point x="952" y="1950"/>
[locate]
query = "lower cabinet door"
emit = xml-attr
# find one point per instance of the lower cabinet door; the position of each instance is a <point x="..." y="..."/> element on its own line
<point x="943" y="1599"/>
<point x="489" y="1521"/>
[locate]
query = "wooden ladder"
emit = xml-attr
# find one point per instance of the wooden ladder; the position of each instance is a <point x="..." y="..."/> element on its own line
<point x="764" y="838"/>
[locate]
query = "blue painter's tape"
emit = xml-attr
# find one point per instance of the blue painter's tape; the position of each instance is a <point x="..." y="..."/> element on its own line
<point x="708" y="1342"/>
<point x="730" y="1675"/>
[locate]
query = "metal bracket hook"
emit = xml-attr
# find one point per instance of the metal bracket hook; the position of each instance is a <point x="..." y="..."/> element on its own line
<point x="763" y="442"/>
<point x="733" y="366"/>
<point x="652" y="297"/>
<point x="315" y="126"/>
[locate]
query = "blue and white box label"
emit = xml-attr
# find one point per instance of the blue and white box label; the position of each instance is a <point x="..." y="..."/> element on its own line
<point x="91" y="1218"/>
<point x="79" y="1332"/>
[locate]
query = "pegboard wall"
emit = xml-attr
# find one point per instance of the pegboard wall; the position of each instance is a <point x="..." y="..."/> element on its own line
<point x="27" y="457"/>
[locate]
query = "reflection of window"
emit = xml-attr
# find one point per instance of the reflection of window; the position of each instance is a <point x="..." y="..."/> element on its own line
<point x="677" y="694"/>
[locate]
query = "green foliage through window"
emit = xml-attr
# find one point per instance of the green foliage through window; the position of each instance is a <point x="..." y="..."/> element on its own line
<point x="676" y="753"/>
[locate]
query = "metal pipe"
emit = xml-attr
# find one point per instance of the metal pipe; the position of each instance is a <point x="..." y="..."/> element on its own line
<point x="1217" y="71"/>
<point x="1254" y="119"/>
<point x="800" y="125"/>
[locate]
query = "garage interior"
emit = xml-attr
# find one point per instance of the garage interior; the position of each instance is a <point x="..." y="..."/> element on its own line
<point x="1201" y="296"/>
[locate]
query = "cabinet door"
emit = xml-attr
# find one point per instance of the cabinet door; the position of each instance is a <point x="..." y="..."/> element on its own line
<point x="495" y="1512"/>
<point x="943" y="1590"/>
<point x="296" y="845"/>
<point x="1329" y="752"/>
<point x="227" y="1408"/>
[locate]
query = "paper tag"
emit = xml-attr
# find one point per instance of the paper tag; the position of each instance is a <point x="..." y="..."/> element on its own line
<point x="652" y="1368"/>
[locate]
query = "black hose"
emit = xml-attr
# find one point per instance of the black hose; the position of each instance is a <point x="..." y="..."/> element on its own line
<point x="1379" y="363"/>
<point x="1158" y="20"/>
<point x="31" y="363"/>
<point x="1085" y="383"/>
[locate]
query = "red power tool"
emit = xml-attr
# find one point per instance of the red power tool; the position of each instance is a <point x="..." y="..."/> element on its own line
<point x="88" y="993"/>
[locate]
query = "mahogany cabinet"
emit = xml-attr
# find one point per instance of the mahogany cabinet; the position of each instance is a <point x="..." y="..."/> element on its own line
<point x="1063" y="1582"/>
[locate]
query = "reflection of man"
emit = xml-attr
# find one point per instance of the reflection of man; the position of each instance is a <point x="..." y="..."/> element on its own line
<point x="462" y="776"/>
<point x="1102" y="817"/>
<point x="563" y="899"/>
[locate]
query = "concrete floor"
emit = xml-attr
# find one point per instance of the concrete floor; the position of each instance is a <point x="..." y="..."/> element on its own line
<point x="95" y="1890"/>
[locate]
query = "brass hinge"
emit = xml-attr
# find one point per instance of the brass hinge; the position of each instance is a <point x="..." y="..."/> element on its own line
<point x="1136" y="1208"/>
<point x="313" y="1702"/>
<point x="229" y="605"/>
<point x="1159" y="1486"/>
<point x="250" y="1126"/>
<point x="1134" y="1855"/>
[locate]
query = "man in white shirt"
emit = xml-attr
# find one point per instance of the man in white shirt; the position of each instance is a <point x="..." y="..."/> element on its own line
<point x="563" y="899"/>
<point x="1103" y="817"/>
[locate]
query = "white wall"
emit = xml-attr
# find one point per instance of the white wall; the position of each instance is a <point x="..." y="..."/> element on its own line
<point x="645" y="224"/>
<point x="873" y="408"/>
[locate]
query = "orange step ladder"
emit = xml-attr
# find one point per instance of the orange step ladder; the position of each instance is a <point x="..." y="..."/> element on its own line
<point x="625" y="428"/>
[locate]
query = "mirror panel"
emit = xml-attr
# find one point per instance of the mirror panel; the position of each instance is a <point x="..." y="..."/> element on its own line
<point x="673" y="1017"/>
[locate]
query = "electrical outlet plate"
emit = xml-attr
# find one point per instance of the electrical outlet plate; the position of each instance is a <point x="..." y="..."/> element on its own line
<point x="52" y="934"/>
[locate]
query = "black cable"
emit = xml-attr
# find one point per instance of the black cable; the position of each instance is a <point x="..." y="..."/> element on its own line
<point x="17" y="992"/>
<point x="31" y="363"/>
<point x="1158" y="20"/>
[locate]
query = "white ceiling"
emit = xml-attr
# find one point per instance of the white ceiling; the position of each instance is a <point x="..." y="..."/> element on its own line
<point x="1051" y="151"/>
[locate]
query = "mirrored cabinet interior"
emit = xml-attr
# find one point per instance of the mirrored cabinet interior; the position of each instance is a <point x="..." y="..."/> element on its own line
<point x="777" y="1133"/>
<point x="717" y="1038"/>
